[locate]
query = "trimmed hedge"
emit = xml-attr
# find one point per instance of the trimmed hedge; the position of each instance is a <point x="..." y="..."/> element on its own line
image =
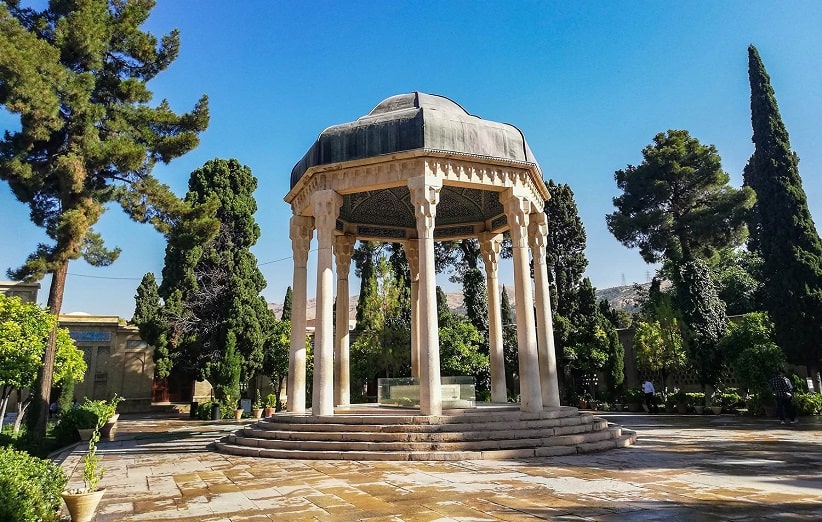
<point x="29" y="487"/>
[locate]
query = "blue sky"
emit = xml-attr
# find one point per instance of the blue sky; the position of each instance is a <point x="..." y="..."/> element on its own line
<point x="589" y="84"/>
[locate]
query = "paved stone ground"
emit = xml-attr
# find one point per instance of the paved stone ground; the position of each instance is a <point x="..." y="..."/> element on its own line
<point x="683" y="468"/>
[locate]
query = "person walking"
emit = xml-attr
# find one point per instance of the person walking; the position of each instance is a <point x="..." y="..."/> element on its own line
<point x="783" y="391"/>
<point x="650" y="399"/>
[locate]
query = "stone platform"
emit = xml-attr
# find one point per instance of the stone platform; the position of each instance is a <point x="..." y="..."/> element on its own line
<point x="370" y="432"/>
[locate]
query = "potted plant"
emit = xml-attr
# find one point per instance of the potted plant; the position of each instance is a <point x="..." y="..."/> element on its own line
<point x="82" y="502"/>
<point x="270" y="405"/>
<point x="257" y="408"/>
<point x="634" y="398"/>
<point x="679" y="399"/>
<point x="238" y="411"/>
<point x="696" y="400"/>
<point x="109" y="410"/>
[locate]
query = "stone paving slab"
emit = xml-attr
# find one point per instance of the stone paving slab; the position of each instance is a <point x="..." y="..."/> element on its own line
<point x="682" y="468"/>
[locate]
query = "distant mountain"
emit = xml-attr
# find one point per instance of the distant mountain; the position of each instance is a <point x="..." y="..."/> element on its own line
<point x="628" y="298"/>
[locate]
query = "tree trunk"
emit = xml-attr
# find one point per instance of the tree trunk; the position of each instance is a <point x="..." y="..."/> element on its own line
<point x="22" y="405"/>
<point x="40" y="398"/>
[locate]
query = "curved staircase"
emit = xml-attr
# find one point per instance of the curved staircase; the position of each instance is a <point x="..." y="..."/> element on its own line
<point x="488" y="432"/>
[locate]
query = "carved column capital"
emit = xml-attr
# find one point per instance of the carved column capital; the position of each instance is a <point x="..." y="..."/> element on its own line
<point x="425" y="194"/>
<point x="343" y="250"/>
<point x="412" y="254"/>
<point x="300" y="231"/>
<point x="517" y="210"/>
<point x="326" y="205"/>
<point x="490" y="247"/>
<point x="538" y="234"/>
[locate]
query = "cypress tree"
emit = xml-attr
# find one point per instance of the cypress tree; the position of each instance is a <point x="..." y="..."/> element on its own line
<point x="287" y="303"/>
<point x="217" y="317"/>
<point x="565" y="246"/>
<point x="784" y="232"/>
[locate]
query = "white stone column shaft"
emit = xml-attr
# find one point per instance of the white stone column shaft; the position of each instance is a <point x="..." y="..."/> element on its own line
<point x="517" y="209"/>
<point x="490" y="245"/>
<point x="343" y="249"/>
<point x="412" y="253"/>
<point x="326" y="205"/>
<point x="425" y="194"/>
<point x="300" y="232"/>
<point x="537" y="236"/>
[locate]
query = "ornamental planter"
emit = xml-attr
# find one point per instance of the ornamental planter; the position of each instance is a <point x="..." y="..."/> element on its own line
<point x="268" y="412"/>
<point x="85" y="433"/>
<point x="716" y="409"/>
<point x="82" y="506"/>
<point x="108" y="429"/>
<point x="257" y="413"/>
<point x="238" y="414"/>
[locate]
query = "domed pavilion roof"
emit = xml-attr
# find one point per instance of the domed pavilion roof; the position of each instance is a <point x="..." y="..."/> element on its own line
<point x="415" y="121"/>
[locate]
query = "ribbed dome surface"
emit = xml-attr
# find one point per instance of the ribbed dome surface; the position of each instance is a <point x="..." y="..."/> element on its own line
<point x="414" y="121"/>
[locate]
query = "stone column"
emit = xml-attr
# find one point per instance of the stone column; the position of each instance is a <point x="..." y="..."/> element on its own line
<point x="343" y="249"/>
<point x="517" y="209"/>
<point x="425" y="194"/>
<point x="412" y="253"/>
<point x="326" y="205"/>
<point x="300" y="232"/>
<point x="490" y="248"/>
<point x="537" y="236"/>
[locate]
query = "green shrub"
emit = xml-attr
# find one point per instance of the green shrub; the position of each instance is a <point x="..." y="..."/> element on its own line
<point x="204" y="410"/>
<point x="695" y="399"/>
<point x="730" y="400"/>
<point x="65" y="432"/>
<point x="29" y="487"/>
<point x="808" y="403"/>
<point x="271" y="401"/>
<point x="634" y="395"/>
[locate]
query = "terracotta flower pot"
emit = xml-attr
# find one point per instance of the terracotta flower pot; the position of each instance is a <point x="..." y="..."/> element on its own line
<point x="238" y="413"/>
<point x="82" y="506"/>
<point x="268" y="412"/>
<point x="257" y="412"/>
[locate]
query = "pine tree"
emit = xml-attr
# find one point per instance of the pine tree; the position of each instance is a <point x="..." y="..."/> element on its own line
<point x="677" y="204"/>
<point x="785" y="234"/>
<point x="77" y="74"/>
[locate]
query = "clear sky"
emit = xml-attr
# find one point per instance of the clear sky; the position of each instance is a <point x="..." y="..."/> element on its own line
<point x="588" y="83"/>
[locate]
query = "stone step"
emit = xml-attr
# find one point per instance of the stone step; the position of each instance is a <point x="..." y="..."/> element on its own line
<point x="391" y="446"/>
<point x="484" y="433"/>
<point x="507" y="431"/>
<point x="624" y="440"/>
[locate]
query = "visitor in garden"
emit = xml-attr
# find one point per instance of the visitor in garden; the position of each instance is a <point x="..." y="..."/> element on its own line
<point x="783" y="391"/>
<point x="650" y="398"/>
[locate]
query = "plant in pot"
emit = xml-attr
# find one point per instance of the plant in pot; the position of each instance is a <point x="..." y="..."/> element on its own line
<point x="82" y="502"/>
<point x="270" y="405"/>
<point x="634" y="398"/>
<point x="257" y="408"/>
<point x="679" y="399"/>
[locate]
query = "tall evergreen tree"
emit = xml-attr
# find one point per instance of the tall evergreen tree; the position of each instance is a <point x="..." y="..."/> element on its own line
<point x="677" y="204"/>
<point x="785" y="234"/>
<point x="287" y="304"/>
<point x="705" y="320"/>
<point x="364" y="262"/>
<point x="217" y="318"/>
<point x="77" y="74"/>
<point x="565" y="246"/>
